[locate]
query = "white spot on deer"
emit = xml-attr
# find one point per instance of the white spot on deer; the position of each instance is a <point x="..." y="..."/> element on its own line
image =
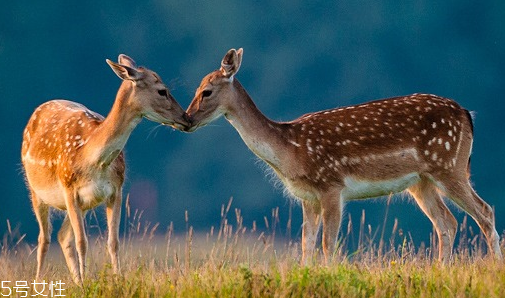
<point x="67" y="144"/>
<point x="426" y="152"/>
<point x="309" y="147"/>
<point x="290" y="141"/>
<point x="354" y="160"/>
<point x="424" y="131"/>
<point x="440" y="141"/>
<point x="434" y="156"/>
<point x="434" y="125"/>
<point x="447" y="146"/>
<point x="449" y="133"/>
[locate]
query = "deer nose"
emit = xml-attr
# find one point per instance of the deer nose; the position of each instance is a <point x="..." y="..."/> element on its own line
<point x="188" y="118"/>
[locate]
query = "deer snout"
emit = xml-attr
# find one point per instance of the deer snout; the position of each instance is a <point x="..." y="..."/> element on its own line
<point x="188" y="118"/>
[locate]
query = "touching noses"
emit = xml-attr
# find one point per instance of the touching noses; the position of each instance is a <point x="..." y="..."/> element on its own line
<point x="188" y="118"/>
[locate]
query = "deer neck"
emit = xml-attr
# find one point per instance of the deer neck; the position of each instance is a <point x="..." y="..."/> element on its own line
<point x="109" y="138"/>
<point x="262" y="135"/>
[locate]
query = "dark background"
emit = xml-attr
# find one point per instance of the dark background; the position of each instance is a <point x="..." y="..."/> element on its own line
<point x="298" y="57"/>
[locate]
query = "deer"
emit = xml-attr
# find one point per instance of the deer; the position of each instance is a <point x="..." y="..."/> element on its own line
<point x="419" y="143"/>
<point x="73" y="159"/>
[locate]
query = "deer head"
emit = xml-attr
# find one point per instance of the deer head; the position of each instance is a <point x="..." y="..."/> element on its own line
<point x="215" y="92"/>
<point x="150" y="98"/>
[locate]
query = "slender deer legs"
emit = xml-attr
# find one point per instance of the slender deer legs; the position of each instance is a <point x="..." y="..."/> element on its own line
<point x="113" y="212"/>
<point x="459" y="190"/>
<point x="67" y="242"/>
<point x="310" y="228"/>
<point x="431" y="203"/>
<point x="76" y="218"/>
<point x="331" y="214"/>
<point x="42" y="214"/>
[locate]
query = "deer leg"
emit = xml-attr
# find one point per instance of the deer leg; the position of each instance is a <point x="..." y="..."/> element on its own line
<point x="310" y="227"/>
<point x="75" y="215"/>
<point x="331" y="205"/>
<point x="462" y="193"/>
<point x="42" y="214"/>
<point x="67" y="243"/>
<point x="113" y="212"/>
<point x="432" y="204"/>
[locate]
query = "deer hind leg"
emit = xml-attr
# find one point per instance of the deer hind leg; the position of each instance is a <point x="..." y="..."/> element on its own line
<point x="310" y="228"/>
<point x="431" y="203"/>
<point x="331" y="211"/>
<point x="67" y="243"/>
<point x="42" y="214"/>
<point x="76" y="218"/>
<point x="459" y="190"/>
<point x="113" y="212"/>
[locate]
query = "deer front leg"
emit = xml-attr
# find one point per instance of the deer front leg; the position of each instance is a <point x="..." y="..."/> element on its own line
<point x="331" y="211"/>
<point x="75" y="215"/>
<point x="311" y="222"/>
<point x="67" y="243"/>
<point x="113" y="219"/>
<point x="42" y="213"/>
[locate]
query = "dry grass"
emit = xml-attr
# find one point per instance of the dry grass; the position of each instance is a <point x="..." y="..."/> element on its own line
<point x="238" y="261"/>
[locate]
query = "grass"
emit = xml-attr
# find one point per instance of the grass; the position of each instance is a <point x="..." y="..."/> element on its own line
<point x="237" y="261"/>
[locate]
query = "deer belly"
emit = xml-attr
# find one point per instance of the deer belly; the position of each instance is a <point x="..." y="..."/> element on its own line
<point x="356" y="188"/>
<point x="52" y="196"/>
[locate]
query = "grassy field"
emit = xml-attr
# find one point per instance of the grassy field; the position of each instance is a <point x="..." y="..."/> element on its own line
<point x="237" y="261"/>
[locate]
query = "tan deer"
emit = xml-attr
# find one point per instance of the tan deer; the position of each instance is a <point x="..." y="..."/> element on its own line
<point x="419" y="143"/>
<point x="73" y="159"/>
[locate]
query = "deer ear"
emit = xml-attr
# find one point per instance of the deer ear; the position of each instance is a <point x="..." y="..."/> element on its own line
<point x="231" y="63"/>
<point x="123" y="71"/>
<point x="127" y="61"/>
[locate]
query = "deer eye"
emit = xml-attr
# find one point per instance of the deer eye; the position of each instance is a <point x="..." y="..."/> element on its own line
<point x="206" y="93"/>
<point x="163" y="92"/>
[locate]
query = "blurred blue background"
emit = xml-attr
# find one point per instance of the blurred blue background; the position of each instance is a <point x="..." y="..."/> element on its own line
<point x="299" y="56"/>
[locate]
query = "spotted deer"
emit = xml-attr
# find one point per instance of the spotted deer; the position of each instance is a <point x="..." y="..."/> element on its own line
<point x="73" y="159"/>
<point x="419" y="143"/>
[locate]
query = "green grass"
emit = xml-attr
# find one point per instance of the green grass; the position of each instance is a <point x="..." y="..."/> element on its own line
<point x="238" y="261"/>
